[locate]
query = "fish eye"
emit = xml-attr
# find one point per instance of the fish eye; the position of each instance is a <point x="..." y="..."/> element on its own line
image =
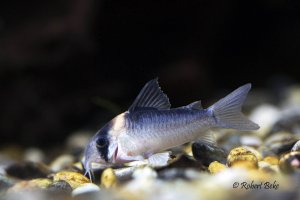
<point x="101" y="143"/>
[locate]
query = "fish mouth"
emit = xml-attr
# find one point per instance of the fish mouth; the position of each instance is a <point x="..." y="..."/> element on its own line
<point x="115" y="155"/>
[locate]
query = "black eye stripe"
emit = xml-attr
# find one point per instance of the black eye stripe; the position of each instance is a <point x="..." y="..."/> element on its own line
<point x="102" y="147"/>
<point x="101" y="142"/>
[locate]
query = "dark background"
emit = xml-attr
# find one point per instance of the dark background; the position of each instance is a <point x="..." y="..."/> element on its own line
<point x="74" y="64"/>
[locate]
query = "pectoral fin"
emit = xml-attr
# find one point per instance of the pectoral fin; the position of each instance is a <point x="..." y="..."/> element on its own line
<point x="159" y="159"/>
<point x="207" y="137"/>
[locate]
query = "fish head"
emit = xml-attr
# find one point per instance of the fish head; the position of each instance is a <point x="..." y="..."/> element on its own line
<point x="103" y="147"/>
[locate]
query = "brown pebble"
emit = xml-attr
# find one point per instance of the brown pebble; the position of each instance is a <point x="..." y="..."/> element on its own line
<point x="241" y="156"/>
<point x="73" y="178"/>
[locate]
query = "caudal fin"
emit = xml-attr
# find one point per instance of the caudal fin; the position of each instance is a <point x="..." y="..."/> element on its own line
<point x="227" y="111"/>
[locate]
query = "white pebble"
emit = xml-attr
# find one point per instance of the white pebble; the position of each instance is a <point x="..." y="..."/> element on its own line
<point x="79" y="139"/>
<point x="293" y="96"/>
<point x="85" y="188"/>
<point x="144" y="173"/>
<point x="62" y="162"/>
<point x="265" y="116"/>
<point x="248" y="140"/>
<point x="34" y="155"/>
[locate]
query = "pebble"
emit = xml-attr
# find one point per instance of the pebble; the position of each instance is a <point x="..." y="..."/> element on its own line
<point x="85" y="188"/>
<point x="62" y="162"/>
<point x="293" y="95"/>
<point x="144" y="173"/>
<point x="290" y="163"/>
<point x="42" y="182"/>
<point x="207" y="153"/>
<point x="73" y="178"/>
<point x="171" y="174"/>
<point x="262" y="164"/>
<point x="5" y="183"/>
<point x="5" y="162"/>
<point x="78" y="166"/>
<point x="124" y="173"/>
<point x="296" y="146"/>
<point x="108" y="178"/>
<point x="255" y="152"/>
<point x="180" y="173"/>
<point x="289" y="121"/>
<point x="59" y="187"/>
<point x="34" y="155"/>
<point x="229" y="139"/>
<point x="275" y="168"/>
<point x="272" y="160"/>
<point x="242" y="156"/>
<point x="32" y="194"/>
<point x="28" y="170"/>
<point x="252" y="141"/>
<point x="245" y="164"/>
<point x="265" y="116"/>
<point x="35" y="184"/>
<point x="77" y="142"/>
<point x="204" y="187"/>
<point x="281" y="142"/>
<point x="216" y="167"/>
<point x="266" y="167"/>
<point x="187" y="150"/>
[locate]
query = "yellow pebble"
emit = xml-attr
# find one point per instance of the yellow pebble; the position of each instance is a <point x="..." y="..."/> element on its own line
<point x="73" y="178"/>
<point x="216" y="167"/>
<point x="41" y="182"/>
<point x="242" y="154"/>
<point x="108" y="178"/>
<point x="272" y="160"/>
<point x="244" y="164"/>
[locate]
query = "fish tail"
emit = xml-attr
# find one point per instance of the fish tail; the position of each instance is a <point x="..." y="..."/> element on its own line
<point x="227" y="111"/>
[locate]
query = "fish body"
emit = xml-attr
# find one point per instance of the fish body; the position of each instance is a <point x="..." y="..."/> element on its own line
<point x="150" y="126"/>
<point x="150" y="131"/>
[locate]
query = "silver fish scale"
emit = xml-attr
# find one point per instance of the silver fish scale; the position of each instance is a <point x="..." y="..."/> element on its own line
<point x="164" y="128"/>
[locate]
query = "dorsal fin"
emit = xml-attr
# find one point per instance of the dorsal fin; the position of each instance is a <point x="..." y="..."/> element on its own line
<point x="151" y="96"/>
<point x="195" y="105"/>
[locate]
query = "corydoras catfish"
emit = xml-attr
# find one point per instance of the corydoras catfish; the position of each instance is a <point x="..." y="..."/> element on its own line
<point x="150" y="126"/>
